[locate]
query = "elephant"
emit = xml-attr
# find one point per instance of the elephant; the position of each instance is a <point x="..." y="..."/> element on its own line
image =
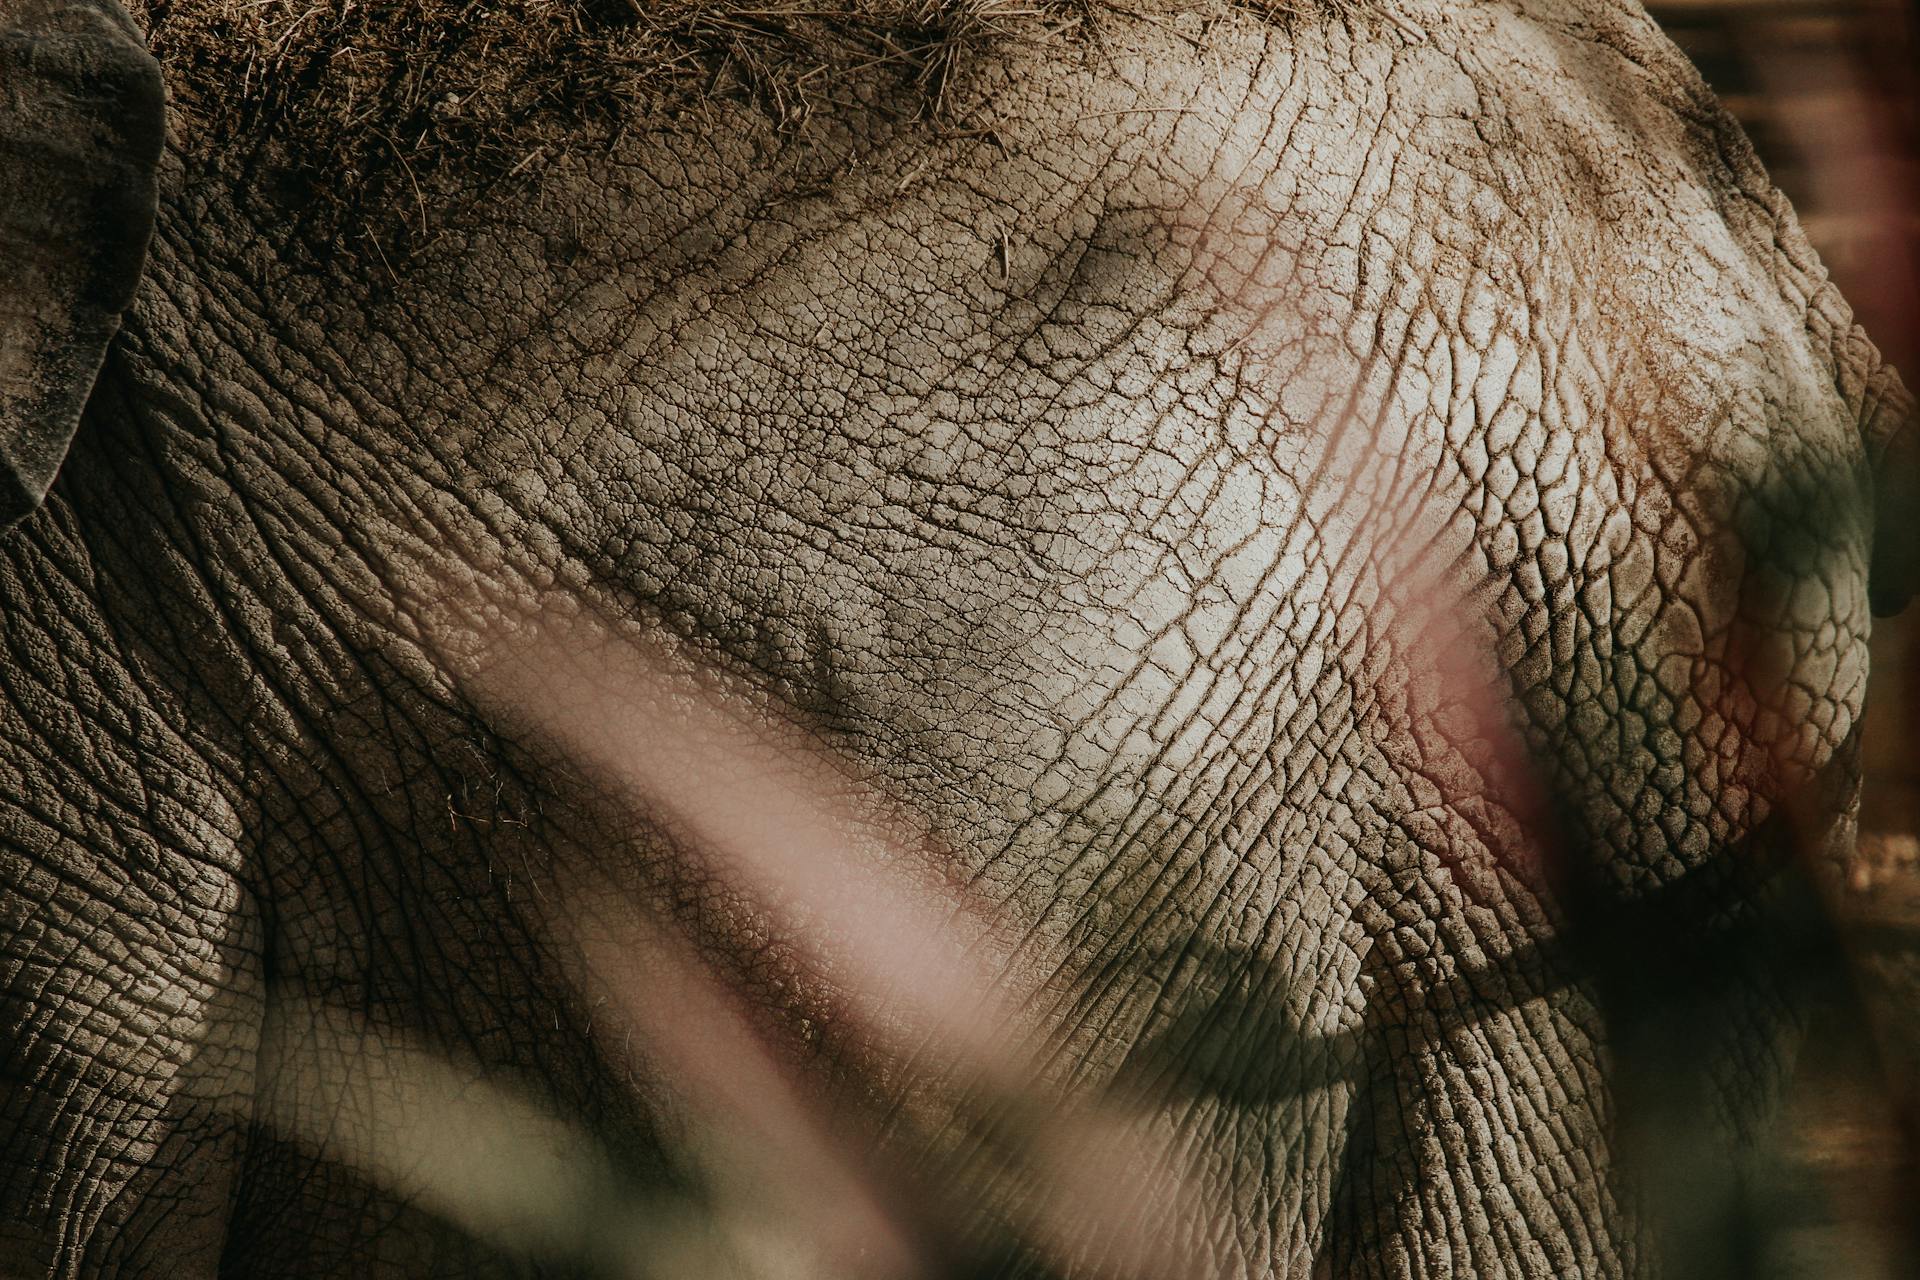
<point x="1197" y="636"/>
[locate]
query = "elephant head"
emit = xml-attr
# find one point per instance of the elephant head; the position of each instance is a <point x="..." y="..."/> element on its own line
<point x="866" y="639"/>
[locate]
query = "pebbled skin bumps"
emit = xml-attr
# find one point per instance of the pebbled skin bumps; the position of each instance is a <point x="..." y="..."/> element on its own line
<point x="1344" y="543"/>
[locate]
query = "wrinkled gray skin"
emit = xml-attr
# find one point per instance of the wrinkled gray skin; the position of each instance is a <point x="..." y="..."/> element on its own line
<point x="1351" y="539"/>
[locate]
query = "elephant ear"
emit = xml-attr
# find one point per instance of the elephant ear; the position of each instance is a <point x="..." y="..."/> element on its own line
<point x="81" y="116"/>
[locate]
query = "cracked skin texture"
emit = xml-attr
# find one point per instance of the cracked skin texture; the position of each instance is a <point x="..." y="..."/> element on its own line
<point x="1310" y="521"/>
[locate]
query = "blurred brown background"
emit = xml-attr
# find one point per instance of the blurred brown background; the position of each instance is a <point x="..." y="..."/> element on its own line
<point x="1829" y="90"/>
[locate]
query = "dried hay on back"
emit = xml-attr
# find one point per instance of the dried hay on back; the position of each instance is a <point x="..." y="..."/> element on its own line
<point x="345" y="101"/>
<point x="334" y="71"/>
<point x="347" y="108"/>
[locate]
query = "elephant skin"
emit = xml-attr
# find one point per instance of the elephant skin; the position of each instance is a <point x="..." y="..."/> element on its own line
<point x="1234" y="669"/>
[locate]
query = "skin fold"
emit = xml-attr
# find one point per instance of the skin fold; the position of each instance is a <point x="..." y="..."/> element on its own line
<point x="1233" y="666"/>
